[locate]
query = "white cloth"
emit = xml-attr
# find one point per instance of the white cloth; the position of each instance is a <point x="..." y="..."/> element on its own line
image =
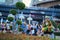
<point x="31" y="32"/>
<point x="34" y="26"/>
<point x="8" y="27"/>
<point x="4" y="31"/>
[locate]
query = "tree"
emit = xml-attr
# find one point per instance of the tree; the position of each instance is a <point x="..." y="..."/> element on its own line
<point x="10" y="19"/>
<point x="20" y="5"/>
<point x="13" y="11"/>
<point x="19" y="22"/>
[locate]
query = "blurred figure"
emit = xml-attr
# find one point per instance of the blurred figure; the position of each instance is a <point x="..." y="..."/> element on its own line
<point x="28" y="28"/>
<point x="8" y="27"/>
<point x="3" y="28"/>
<point x="39" y="31"/>
<point x="34" y="26"/>
<point x="24" y="27"/>
<point x="0" y="27"/>
<point x="3" y="25"/>
<point x="31" y="31"/>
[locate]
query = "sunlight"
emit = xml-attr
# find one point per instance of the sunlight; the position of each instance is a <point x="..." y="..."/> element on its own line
<point x="27" y="2"/>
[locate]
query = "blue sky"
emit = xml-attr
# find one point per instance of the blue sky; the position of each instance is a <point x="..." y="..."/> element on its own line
<point x="2" y="0"/>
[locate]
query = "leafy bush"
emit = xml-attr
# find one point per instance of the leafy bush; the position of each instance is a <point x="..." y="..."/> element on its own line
<point x="10" y="19"/>
<point x="59" y="26"/>
<point x="19" y="22"/>
<point x="10" y="27"/>
<point x="57" y="33"/>
<point x="13" y="11"/>
<point x="20" y="5"/>
<point x="54" y="23"/>
<point x="20" y="29"/>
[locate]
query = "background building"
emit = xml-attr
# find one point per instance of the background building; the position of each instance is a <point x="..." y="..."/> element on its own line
<point x="36" y="10"/>
<point x="39" y="1"/>
<point x="47" y="3"/>
<point x="9" y="2"/>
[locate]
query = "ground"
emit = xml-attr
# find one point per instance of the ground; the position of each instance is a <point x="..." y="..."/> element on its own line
<point x="10" y="36"/>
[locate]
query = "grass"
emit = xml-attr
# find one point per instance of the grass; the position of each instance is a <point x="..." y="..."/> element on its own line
<point x="55" y="39"/>
<point x="10" y="36"/>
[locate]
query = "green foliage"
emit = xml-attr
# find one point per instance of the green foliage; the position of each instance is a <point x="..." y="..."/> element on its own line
<point x="46" y="28"/>
<point x="10" y="19"/>
<point x="59" y="26"/>
<point x="19" y="22"/>
<point x="13" y="11"/>
<point x="20" y="5"/>
<point x="27" y="38"/>
<point x="54" y="39"/>
<point x="10" y="27"/>
<point x="57" y="33"/>
<point x="54" y="23"/>
<point x="44" y="25"/>
<point x="20" y="29"/>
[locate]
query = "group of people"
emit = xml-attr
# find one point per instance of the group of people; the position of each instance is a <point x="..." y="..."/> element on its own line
<point x="45" y="27"/>
<point x="38" y="29"/>
<point x="33" y="29"/>
<point x="5" y="27"/>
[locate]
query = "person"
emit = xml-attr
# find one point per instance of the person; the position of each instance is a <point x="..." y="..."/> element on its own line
<point x="0" y="28"/>
<point x="28" y="28"/>
<point x="39" y="31"/>
<point x="31" y="31"/>
<point x="49" y="29"/>
<point x="34" y="26"/>
<point x="25" y="27"/>
<point x="3" y="26"/>
<point x="8" y="27"/>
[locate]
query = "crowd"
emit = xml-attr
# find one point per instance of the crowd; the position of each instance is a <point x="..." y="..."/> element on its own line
<point x="30" y="29"/>
<point x="45" y="27"/>
<point x="5" y="27"/>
